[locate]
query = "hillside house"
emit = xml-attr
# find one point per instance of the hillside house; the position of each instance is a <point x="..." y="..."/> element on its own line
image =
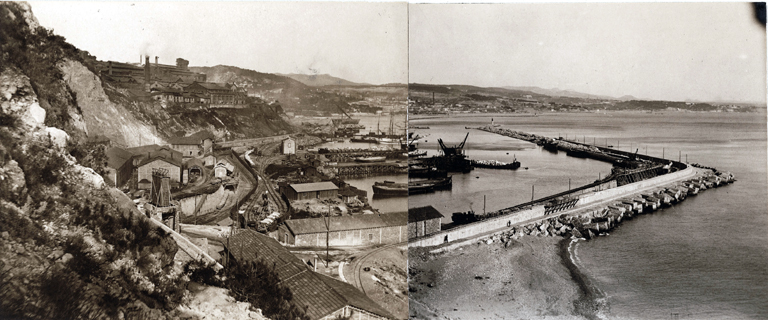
<point x="289" y="146"/>
<point x="356" y="230"/>
<point x="308" y="191"/>
<point x="193" y="145"/>
<point x="323" y="297"/>
<point x="423" y="221"/>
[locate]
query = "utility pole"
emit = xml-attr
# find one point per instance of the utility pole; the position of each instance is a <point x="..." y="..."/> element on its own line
<point x="662" y="153"/>
<point x="569" y="184"/>
<point x="679" y="155"/>
<point x="532" y="188"/>
<point x="327" y="235"/>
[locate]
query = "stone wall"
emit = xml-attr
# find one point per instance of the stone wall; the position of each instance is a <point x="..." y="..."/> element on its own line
<point x="480" y="227"/>
<point x="500" y="223"/>
<point x="626" y="189"/>
<point x="384" y="235"/>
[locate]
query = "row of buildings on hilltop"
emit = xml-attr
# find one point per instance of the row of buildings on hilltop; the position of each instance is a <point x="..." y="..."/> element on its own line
<point x="174" y="83"/>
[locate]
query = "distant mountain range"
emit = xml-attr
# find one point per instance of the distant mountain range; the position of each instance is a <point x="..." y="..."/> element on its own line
<point x="319" y="80"/>
<point x="569" y="93"/>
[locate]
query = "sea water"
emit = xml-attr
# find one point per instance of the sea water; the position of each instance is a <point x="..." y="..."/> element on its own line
<point x="705" y="258"/>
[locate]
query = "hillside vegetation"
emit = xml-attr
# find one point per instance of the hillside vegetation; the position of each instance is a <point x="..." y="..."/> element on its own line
<point x="71" y="247"/>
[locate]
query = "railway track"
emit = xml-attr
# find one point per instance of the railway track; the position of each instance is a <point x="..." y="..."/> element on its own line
<point x="357" y="266"/>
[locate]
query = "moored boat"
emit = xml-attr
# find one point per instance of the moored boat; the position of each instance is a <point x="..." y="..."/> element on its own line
<point x="390" y="188"/>
<point x="493" y="164"/>
<point x="371" y="159"/>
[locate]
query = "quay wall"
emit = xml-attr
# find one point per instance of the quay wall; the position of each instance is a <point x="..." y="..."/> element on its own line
<point x="537" y="211"/>
<point x="630" y="188"/>
<point x="480" y="227"/>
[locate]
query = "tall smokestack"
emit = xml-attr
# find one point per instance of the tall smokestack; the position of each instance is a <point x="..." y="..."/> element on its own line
<point x="155" y="59"/>
<point x="146" y="69"/>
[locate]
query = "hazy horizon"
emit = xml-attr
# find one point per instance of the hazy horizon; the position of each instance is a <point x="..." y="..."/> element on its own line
<point x="659" y="51"/>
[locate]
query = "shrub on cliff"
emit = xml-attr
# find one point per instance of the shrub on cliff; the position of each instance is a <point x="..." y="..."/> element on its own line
<point x="252" y="282"/>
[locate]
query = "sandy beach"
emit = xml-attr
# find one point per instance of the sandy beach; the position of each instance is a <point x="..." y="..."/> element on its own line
<point x="530" y="278"/>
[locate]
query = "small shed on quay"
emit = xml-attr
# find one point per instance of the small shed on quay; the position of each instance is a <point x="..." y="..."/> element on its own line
<point x="357" y="230"/>
<point x="423" y="221"/>
<point x="307" y="191"/>
<point x="323" y="297"/>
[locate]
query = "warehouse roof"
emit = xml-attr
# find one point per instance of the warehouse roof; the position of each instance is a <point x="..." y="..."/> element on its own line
<point x="344" y="223"/>
<point x="423" y="214"/>
<point x="321" y="295"/>
<point x="314" y="186"/>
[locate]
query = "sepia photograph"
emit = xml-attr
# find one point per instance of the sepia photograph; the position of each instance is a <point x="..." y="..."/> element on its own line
<point x="587" y="161"/>
<point x="206" y="160"/>
<point x="301" y="160"/>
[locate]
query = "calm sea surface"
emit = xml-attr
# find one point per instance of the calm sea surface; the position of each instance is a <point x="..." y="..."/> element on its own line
<point x="706" y="258"/>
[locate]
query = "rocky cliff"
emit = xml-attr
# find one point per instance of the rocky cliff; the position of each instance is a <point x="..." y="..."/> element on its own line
<point x="78" y="101"/>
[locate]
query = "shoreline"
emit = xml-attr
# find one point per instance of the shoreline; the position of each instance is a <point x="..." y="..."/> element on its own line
<point x="589" y="302"/>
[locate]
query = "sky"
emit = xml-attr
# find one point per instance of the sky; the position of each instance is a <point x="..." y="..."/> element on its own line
<point x="664" y="51"/>
<point x="360" y="42"/>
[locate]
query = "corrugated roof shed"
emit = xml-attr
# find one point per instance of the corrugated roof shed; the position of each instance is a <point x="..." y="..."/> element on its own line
<point x="320" y="296"/>
<point x="314" y="186"/>
<point x="344" y="223"/>
<point x="423" y="213"/>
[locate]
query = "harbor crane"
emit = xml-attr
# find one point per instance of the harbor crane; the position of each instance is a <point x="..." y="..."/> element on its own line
<point x="454" y="150"/>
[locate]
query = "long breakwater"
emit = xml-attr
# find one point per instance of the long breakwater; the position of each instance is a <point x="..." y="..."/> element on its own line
<point x="589" y="210"/>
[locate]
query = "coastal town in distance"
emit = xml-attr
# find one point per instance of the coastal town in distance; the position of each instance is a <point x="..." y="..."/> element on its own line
<point x="350" y="160"/>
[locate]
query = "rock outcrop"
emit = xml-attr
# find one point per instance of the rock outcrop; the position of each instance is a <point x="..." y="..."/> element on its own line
<point x="99" y="114"/>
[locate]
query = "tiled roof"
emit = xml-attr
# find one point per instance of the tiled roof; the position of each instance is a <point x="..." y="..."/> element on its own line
<point x="320" y="296"/>
<point x="314" y="186"/>
<point x="423" y="214"/>
<point x="356" y="222"/>
<point x="354" y="298"/>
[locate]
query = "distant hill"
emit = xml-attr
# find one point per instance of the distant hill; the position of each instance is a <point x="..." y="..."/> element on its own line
<point x="319" y="80"/>
<point x="567" y="93"/>
<point x="293" y="95"/>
